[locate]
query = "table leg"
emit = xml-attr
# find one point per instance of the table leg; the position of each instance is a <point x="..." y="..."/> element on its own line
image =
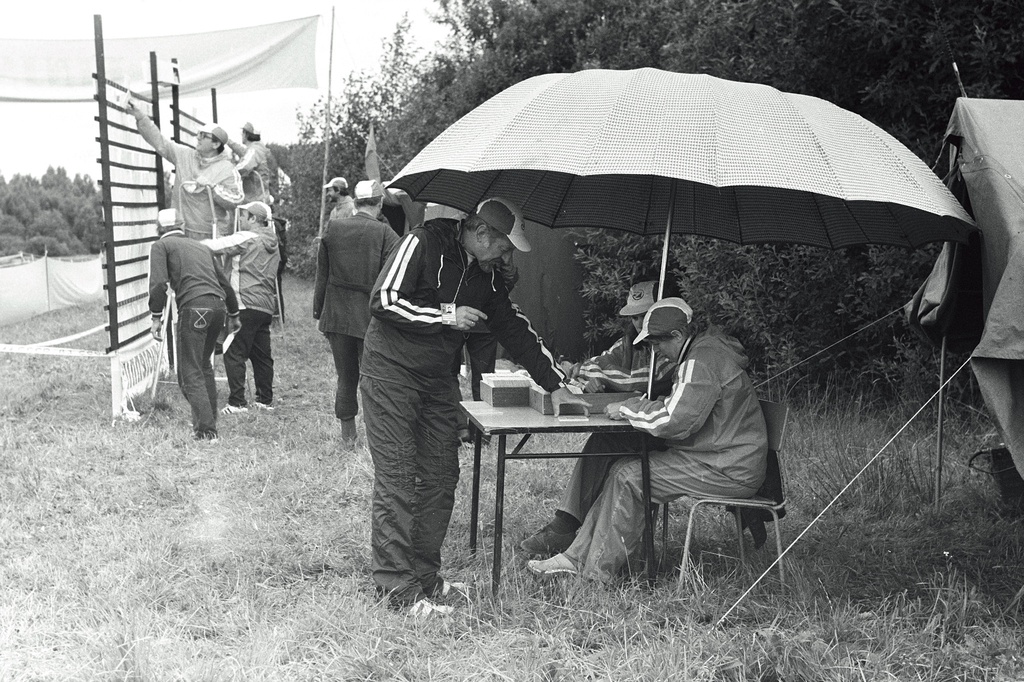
<point x="499" y="512"/>
<point x="474" y="512"/>
<point x="645" y="467"/>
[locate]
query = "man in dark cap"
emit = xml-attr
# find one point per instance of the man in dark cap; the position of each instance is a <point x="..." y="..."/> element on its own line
<point x="207" y="188"/>
<point x="441" y="280"/>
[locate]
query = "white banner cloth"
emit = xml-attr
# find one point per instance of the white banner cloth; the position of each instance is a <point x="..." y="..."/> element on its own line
<point x="267" y="57"/>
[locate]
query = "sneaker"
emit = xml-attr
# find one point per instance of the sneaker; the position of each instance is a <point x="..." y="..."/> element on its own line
<point x="425" y="608"/>
<point x="447" y="590"/>
<point x="234" y="409"/>
<point x="348" y="431"/>
<point x="263" y="407"/>
<point x="547" y="541"/>
<point x="556" y="565"/>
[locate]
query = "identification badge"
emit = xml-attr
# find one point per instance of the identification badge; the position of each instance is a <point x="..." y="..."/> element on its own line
<point x="448" y="314"/>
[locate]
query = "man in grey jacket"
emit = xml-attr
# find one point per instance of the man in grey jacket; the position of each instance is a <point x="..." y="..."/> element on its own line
<point x="255" y="257"/>
<point x="715" y="443"/>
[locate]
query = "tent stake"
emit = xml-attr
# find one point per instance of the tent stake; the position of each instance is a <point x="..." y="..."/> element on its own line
<point x="941" y="402"/>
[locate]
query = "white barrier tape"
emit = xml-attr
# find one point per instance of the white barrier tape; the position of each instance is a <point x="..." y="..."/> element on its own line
<point x="43" y="350"/>
<point x="67" y="339"/>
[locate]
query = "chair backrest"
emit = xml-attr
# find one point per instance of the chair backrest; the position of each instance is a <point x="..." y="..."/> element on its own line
<point x="775" y="416"/>
<point x="774" y="488"/>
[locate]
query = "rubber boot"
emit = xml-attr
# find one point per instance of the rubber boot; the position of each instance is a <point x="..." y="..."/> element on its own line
<point x="348" y="431"/>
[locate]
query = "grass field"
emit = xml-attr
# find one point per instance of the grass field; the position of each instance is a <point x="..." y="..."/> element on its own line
<point x="130" y="552"/>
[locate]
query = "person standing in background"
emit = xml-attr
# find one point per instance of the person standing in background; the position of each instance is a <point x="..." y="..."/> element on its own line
<point x="352" y="252"/>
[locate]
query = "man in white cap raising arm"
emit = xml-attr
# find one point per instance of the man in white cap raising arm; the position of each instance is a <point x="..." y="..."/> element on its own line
<point x="440" y="281"/>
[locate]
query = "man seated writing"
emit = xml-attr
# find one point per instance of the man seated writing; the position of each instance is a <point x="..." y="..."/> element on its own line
<point x="715" y="444"/>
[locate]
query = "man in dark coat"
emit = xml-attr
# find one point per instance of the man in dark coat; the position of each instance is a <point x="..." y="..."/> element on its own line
<point x="351" y="255"/>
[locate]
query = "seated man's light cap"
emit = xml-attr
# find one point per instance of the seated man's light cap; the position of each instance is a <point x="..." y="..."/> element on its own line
<point x="665" y="317"/>
<point x="639" y="300"/>
<point x="369" y="189"/>
<point x="168" y="217"/>
<point x="216" y="131"/>
<point x="433" y="211"/>
<point x="250" y="128"/>
<point x="258" y="209"/>
<point x="504" y="217"/>
<point x="337" y="183"/>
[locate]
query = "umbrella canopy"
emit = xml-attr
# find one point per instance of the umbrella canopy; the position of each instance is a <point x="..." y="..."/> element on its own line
<point x="644" y="149"/>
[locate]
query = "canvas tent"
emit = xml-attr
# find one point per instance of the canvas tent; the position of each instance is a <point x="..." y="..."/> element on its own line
<point x="975" y="293"/>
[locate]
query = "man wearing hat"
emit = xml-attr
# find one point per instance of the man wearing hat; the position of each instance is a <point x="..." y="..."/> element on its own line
<point x="207" y="188"/>
<point x="619" y="369"/>
<point x="622" y="368"/>
<point x="337" y="195"/>
<point x="202" y="292"/>
<point x="254" y="255"/>
<point x="714" y="436"/>
<point x="440" y="281"/>
<point x="255" y="164"/>
<point x="351" y="254"/>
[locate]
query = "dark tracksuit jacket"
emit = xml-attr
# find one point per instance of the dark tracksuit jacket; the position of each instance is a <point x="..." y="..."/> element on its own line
<point x="408" y="402"/>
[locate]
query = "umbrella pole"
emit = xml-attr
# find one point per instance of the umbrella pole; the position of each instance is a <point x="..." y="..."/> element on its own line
<point x="941" y="402"/>
<point x="661" y="279"/>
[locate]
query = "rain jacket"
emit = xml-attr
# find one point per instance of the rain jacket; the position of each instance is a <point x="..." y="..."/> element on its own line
<point x="254" y="259"/>
<point x="622" y="369"/>
<point x="256" y="165"/>
<point x="406" y="341"/>
<point x="712" y="415"/>
<point x="219" y="183"/>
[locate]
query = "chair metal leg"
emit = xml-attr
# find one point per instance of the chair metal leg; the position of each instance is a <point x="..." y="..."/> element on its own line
<point x="778" y="547"/>
<point x="684" y="563"/>
<point x="737" y="517"/>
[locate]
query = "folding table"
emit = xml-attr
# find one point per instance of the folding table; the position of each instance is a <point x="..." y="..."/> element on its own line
<point x="526" y="421"/>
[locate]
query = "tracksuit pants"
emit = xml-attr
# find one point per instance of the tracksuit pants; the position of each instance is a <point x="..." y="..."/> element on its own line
<point x="252" y="343"/>
<point x="411" y="435"/>
<point x="609" y="494"/>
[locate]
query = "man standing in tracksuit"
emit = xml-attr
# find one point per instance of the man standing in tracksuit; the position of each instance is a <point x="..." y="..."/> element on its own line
<point x="440" y="281"/>
<point x="202" y="291"/>
<point x="254" y="278"/>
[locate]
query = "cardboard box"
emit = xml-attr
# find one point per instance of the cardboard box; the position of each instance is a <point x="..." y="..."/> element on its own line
<point x="505" y="390"/>
<point x="540" y="400"/>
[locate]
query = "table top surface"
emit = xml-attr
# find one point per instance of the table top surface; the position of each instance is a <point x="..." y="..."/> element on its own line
<point x="504" y="420"/>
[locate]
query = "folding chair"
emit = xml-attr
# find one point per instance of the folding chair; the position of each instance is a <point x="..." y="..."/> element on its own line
<point x="770" y="498"/>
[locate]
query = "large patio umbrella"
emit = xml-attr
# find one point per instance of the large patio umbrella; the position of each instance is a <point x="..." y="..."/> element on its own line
<point x="646" y="149"/>
<point x="653" y="152"/>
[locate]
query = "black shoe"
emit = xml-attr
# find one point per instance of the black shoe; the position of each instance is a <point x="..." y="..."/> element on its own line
<point x="760" y="534"/>
<point x="547" y="542"/>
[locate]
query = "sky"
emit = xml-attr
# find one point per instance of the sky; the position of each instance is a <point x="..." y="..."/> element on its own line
<point x="36" y="136"/>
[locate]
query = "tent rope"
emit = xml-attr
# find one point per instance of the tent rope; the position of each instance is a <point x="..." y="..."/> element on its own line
<point x="949" y="48"/>
<point x="828" y="348"/>
<point x="839" y="494"/>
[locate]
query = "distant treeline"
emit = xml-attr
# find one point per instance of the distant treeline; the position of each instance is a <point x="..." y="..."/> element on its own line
<point x="55" y="214"/>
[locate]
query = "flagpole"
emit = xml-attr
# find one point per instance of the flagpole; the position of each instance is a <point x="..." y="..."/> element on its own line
<point x="327" y="128"/>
